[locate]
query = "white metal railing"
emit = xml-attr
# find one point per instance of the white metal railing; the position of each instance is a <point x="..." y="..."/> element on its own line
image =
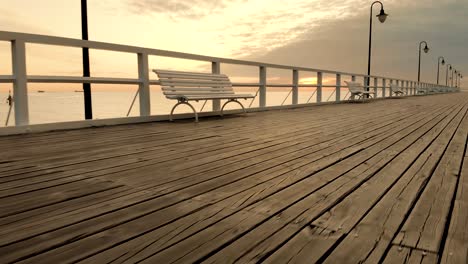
<point x="20" y="79"/>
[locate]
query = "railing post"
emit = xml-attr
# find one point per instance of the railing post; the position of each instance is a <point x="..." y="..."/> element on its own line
<point x="338" y="87"/>
<point x="384" y="84"/>
<point x="295" y="88"/>
<point x="390" y="89"/>
<point x="376" y="83"/>
<point x="407" y="87"/>
<point x="20" y="84"/>
<point x="262" y="88"/>
<point x="144" y="87"/>
<point x="411" y="92"/>
<point x="216" y="69"/>
<point x="319" y="87"/>
<point x="364" y="84"/>
<point x="353" y="78"/>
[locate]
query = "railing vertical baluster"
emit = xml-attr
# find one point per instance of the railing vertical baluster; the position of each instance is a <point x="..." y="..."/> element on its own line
<point x="262" y="87"/>
<point x="376" y="83"/>
<point x="20" y="84"/>
<point x="384" y="84"/>
<point x="144" y="86"/>
<point x="216" y="69"/>
<point x="364" y="84"/>
<point x="319" y="87"/>
<point x="390" y="88"/>
<point x="295" y="88"/>
<point x="353" y="78"/>
<point x="338" y="87"/>
<point x="407" y="88"/>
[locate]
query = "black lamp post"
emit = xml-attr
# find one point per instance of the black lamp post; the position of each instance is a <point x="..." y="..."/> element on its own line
<point x="382" y="16"/>
<point x="426" y="50"/>
<point x="86" y="72"/>
<point x="438" y="65"/>
<point x="452" y="76"/>
<point x="446" y="74"/>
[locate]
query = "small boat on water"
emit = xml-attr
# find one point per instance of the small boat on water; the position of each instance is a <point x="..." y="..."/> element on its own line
<point x="78" y="91"/>
<point x="41" y="91"/>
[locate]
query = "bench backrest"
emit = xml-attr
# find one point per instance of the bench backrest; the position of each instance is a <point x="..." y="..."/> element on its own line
<point x="175" y="83"/>
<point x="355" y="87"/>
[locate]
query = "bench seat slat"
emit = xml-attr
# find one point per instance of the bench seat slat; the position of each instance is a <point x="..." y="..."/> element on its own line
<point x="209" y="97"/>
<point x="197" y="89"/>
<point x="208" y="77"/>
<point x="197" y="93"/>
<point x="180" y="74"/>
<point x="195" y="84"/>
<point x="193" y="79"/>
<point x="206" y="89"/>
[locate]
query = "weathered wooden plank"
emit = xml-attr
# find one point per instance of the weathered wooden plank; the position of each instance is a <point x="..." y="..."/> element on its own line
<point x="269" y="209"/>
<point x="427" y="222"/>
<point x="205" y="188"/>
<point x="368" y="241"/>
<point x="307" y="209"/>
<point x="164" y="142"/>
<point x="411" y="256"/>
<point x="116" y="202"/>
<point x="159" y="202"/>
<point x="173" y="218"/>
<point x="298" y="249"/>
<point x="456" y="249"/>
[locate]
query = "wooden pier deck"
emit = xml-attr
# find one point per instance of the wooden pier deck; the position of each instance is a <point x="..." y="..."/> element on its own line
<point x="385" y="181"/>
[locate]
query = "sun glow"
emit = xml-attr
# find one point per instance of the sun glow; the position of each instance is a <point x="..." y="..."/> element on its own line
<point x="308" y="80"/>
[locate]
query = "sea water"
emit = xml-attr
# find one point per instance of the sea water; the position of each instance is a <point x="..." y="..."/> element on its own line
<point x="53" y="106"/>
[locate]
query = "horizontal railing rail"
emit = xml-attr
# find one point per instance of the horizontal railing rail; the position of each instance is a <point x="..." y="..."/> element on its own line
<point x="20" y="79"/>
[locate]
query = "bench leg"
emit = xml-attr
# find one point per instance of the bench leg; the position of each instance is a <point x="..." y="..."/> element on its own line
<point x="231" y="100"/>
<point x="185" y="103"/>
<point x="353" y="98"/>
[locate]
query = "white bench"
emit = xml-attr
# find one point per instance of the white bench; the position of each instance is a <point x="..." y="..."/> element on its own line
<point x="396" y="89"/>
<point x="193" y="86"/>
<point x="420" y="90"/>
<point x="356" y="89"/>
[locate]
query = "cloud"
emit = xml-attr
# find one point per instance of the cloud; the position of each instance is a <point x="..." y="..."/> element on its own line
<point x="14" y="21"/>
<point x="181" y="8"/>
<point x="341" y="43"/>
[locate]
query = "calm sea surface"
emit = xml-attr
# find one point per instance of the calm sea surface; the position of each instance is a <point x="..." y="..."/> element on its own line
<point x="50" y="107"/>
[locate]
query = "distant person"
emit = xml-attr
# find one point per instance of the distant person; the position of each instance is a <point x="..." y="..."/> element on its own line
<point x="9" y="99"/>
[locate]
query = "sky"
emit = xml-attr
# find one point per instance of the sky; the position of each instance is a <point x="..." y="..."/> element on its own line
<point x="323" y="34"/>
